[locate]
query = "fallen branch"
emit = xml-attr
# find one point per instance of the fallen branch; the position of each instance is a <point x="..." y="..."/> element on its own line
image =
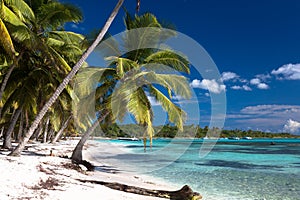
<point x="185" y="193"/>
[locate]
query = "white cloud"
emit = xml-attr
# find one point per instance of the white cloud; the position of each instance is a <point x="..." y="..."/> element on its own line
<point x="153" y="101"/>
<point x="244" y="87"/>
<point x="263" y="77"/>
<point x="259" y="84"/>
<point x="177" y="97"/>
<point x="288" y="72"/>
<point x="277" y="110"/>
<point x="267" y="117"/>
<point x="292" y="126"/>
<point x="211" y="85"/>
<point x="247" y="88"/>
<point x="262" y="86"/>
<point x="236" y="87"/>
<point x="226" y="76"/>
<point x="255" y="81"/>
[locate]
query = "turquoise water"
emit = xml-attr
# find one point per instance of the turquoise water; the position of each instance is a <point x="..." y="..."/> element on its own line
<point x="244" y="169"/>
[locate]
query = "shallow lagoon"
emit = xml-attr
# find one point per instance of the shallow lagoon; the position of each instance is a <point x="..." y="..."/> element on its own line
<point x="233" y="169"/>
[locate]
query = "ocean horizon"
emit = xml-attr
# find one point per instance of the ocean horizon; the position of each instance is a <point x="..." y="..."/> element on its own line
<point x="254" y="169"/>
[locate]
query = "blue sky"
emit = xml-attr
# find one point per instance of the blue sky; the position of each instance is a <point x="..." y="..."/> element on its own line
<point x="255" y="45"/>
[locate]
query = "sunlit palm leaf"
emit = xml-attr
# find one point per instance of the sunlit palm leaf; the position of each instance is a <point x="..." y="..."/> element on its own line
<point x="87" y="79"/>
<point x="171" y="59"/>
<point x="175" y="114"/>
<point x="22" y="10"/>
<point x="6" y="40"/>
<point x="55" y="14"/>
<point x="122" y="65"/>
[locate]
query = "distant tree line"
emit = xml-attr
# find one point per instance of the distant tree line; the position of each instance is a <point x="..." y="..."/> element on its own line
<point x="189" y="131"/>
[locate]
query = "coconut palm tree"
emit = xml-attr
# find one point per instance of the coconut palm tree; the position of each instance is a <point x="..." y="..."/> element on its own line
<point x="36" y="32"/>
<point x="64" y="83"/>
<point x="47" y="51"/>
<point x="126" y="84"/>
<point x="13" y="15"/>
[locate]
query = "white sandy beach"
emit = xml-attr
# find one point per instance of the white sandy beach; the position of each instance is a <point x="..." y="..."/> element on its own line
<point x="36" y="175"/>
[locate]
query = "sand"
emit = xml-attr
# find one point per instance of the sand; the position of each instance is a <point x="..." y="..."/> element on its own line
<point x="37" y="175"/>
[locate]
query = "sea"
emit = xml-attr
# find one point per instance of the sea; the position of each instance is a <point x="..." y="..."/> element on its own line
<point x="222" y="169"/>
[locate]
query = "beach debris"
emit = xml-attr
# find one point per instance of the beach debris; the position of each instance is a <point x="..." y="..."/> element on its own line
<point x="185" y="193"/>
<point x="89" y="166"/>
<point x="48" y="184"/>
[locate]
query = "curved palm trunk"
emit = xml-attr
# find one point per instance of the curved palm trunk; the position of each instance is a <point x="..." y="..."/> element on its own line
<point x="2" y="130"/>
<point x="60" y="132"/>
<point x="7" y="135"/>
<point x="4" y="83"/>
<point x="46" y="130"/>
<point x="61" y="87"/>
<point x="77" y="153"/>
<point x="19" y="135"/>
<point x="5" y="80"/>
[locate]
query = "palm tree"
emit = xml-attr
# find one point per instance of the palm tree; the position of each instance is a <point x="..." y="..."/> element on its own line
<point x="138" y="4"/>
<point x="12" y="14"/>
<point x="125" y="85"/>
<point x="46" y="53"/>
<point x="35" y="32"/>
<point x="64" y="83"/>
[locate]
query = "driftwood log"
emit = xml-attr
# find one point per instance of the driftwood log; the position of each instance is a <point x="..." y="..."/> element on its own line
<point x="185" y="193"/>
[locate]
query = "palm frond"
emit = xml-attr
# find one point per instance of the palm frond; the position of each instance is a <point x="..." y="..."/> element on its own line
<point x="87" y="79"/>
<point x="143" y="21"/>
<point x="55" y="14"/>
<point x="6" y="40"/>
<point x="108" y="47"/>
<point x="122" y="65"/>
<point x="9" y="16"/>
<point x="66" y="36"/>
<point x="22" y="9"/>
<point x="62" y="61"/>
<point x="175" y="114"/>
<point x="177" y="84"/>
<point x="171" y="59"/>
<point x="140" y="106"/>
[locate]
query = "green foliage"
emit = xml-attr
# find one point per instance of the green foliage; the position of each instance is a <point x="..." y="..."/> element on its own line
<point x="167" y="131"/>
<point x="189" y="131"/>
<point x="46" y="54"/>
<point x="113" y="131"/>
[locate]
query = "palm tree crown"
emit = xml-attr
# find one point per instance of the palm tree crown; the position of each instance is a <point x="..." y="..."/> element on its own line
<point x="140" y="73"/>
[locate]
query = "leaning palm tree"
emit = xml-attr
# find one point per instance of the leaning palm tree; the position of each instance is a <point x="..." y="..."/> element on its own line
<point x="13" y="18"/>
<point x="64" y="83"/>
<point x="36" y="30"/>
<point x="126" y="84"/>
<point x="46" y="53"/>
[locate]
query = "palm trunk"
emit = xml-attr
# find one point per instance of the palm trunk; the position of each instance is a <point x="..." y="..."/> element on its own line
<point x="19" y="135"/>
<point x="7" y="136"/>
<point x="46" y="130"/>
<point x="61" y="87"/>
<point x="60" y="132"/>
<point x="2" y="130"/>
<point x="38" y="132"/>
<point x="77" y="153"/>
<point x="5" y="80"/>
<point x="50" y="135"/>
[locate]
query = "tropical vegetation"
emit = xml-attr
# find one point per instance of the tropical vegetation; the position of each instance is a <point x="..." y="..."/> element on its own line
<point x="38" y="62"/>
<point x="38" y="58"/>
<point x="189" y="131"/>
<point x="133" y="77"/>
<point x="36" y="54"/>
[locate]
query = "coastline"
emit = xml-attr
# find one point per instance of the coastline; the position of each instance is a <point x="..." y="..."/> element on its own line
<point x="36" y="175"/>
